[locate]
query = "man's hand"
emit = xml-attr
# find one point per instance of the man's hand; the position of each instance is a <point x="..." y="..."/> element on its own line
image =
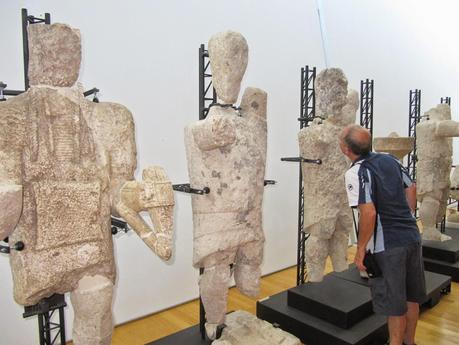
<point x="358" y="259"/>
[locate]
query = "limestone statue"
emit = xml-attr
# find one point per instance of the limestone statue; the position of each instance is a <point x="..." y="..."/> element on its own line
<point x="394" y="144"/>
<point x="327" y="217"/>
<point x="434" y="153"/>
<point x="452" y="216"/>
<point x="245" y="328"/>
<point x="63" y="162"/>
<point x="227" y="153"/>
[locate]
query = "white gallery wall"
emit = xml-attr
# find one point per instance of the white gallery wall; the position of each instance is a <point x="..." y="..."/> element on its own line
<point x="144" y="55"/>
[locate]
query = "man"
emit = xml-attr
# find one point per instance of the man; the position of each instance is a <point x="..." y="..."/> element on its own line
<point x="381" y="189"/>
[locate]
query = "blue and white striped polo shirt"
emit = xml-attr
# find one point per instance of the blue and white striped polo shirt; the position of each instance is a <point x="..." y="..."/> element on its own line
<point x="381" y="179"/>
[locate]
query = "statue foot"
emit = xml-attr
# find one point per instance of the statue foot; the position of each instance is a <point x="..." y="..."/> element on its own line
<point x="434" y="235"/>
<point x="213" y="330"/>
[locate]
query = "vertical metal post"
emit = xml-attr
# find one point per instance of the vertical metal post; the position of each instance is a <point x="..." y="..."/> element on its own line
<point x="414" y="118"/>
<point x="366" y="104"/>
<point x="62" y="324"/>
<point x="25" y="47"/>
<point x="307" y="113"/>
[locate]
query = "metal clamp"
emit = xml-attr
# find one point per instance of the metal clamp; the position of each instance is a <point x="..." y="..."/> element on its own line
<point x="301" y="160"/>
<point x="94" y="92"/>
<point x="186" y="188"/>
<point x="269" y="182"/>
<point x="18" y="246"/>
<point x="119" y="225"/>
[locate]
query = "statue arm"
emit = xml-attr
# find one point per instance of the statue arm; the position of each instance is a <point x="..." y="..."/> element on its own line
<point x="214" y="132"/>
<point x="114" y="130"/>
<point x="254" y="101"/>
<point x="447" y="128"/>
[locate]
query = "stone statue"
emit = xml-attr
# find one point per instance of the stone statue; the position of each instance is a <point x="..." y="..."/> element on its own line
<point x="245" y="328"/>
<point x="394" y="144"/>
<point x="227" y="153"/>
<point x="434" y="153"/>
<point x="327" y="217"/>
<point x="63" y="162"/>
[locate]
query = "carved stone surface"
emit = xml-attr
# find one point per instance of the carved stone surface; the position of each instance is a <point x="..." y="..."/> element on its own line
<point x="327" y="217"/>
<point x="434" y="153"/>
<point x="70" y="157"/>
<point x="454" y="193"/>
<point x="227" y="153"/>
<point x="394" y="144"/>
<point x="228" y="54"/>
<point x="54" y="55"/>
<point x="154" y="195"/>
<point x="244" y="328"/>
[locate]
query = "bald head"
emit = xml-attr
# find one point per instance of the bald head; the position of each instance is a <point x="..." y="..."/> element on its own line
<point x="357" y="139"/>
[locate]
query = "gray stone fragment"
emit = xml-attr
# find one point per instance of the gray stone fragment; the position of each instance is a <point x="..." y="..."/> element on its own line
<point x="244" y="328"/>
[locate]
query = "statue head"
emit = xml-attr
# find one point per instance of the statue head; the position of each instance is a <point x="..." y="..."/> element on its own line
<point x="228" y="54"/>
<point x="439" y="113"/>
<point x="330" y="92"/>
<point x="54" y="55"/>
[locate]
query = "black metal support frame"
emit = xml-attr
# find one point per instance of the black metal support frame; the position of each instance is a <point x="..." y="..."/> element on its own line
<point x="366" y="104"/>
<point x="26" y="20"/>
<point x="307" y="113"/>
<point x="446" y="100"/>
<point x="413" y="120"/>
<point x="207" y="94"/>
<point x="49" y="331"/>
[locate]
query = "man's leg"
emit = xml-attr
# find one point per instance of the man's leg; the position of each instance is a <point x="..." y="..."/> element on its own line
<point x="397" y="325"/>
<point x="415" y="291"/>
<point x="412" y="316"/>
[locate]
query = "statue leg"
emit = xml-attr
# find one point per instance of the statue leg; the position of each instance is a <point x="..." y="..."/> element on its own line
<point x="339" y="243"/>
<point x="92" y="302"/>
<point x="428" y="214"/>
<point x="247" y="269"/>
<point x="213" y="287"/>
<point x="316" y="252"/>
<point x="443" y="205"/>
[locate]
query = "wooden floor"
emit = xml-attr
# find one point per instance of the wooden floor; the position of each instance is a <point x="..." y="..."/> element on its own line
<point x="437" y="326"/>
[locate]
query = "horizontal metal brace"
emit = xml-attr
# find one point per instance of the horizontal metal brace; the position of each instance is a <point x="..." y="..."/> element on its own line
<point x="91" y="92"/>
<point x="269" y="182"/>
<point x="186" y="188"/>
<point x="301" y="159"/>
<point x="46" y="305"/>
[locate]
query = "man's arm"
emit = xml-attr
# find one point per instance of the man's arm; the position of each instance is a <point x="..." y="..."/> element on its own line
<point x="411" y="196"/>
<point x="366" y="228"/>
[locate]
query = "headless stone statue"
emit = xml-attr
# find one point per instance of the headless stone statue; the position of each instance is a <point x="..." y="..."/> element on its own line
<point x="64" y="160"/>
<point x="227" y="153"/>
<point x="327" y="217"/>
<point x="434" y="152"/>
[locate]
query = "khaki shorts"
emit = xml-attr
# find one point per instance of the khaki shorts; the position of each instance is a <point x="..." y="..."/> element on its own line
<point x="402" y="280"/>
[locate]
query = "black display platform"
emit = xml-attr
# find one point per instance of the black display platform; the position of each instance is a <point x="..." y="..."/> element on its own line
<point x="443" y="267"/>
<point x="338" y="301"/>
<point x="314" y="331"/>
<point x="188" y="336"/>
<point x="444" y="251"/>
<point x="436" y="284"/>
<point x="443" y="257"/>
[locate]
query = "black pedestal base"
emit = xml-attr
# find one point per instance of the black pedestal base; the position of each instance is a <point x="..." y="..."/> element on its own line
<point x="443" y="257"/>
<point x="188" y="336"/>
<point x="314" y="331"/>
<point x="436" y="284"/>
<point x="338" y="301"/>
